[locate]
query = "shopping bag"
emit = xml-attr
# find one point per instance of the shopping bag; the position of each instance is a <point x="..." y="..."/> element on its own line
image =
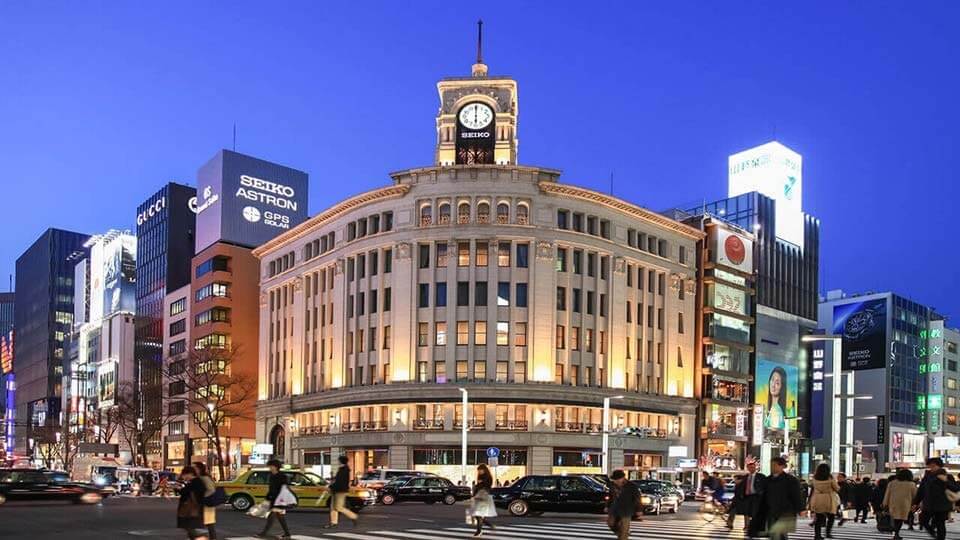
<point x="468" y="516"/>
<point x="286" y="498"/>
<point x="324" y="499"/>
<point x="261" y="510"/>
<point x="884" y="523"/>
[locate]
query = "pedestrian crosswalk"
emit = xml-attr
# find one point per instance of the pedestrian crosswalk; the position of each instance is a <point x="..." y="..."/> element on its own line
<point x="650" y="529"/>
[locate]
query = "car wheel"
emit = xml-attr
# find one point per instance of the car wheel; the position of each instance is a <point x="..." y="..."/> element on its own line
<point x="449" y="499"/>
<point x="388" y="499"/>
<point x="241" y="502"/>
<point x="519" y="508"/>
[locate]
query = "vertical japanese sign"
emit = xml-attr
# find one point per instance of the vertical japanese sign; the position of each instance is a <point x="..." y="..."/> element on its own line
<point x="816" y="389"/>
<point x="931" y="361"/>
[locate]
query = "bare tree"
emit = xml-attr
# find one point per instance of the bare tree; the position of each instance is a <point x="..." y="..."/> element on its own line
<point x="216" y="393"/>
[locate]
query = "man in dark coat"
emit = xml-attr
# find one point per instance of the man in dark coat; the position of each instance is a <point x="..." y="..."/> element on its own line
<point x="845" y="497"/>
<point x="782" y="500"/>
<point x="932" y="498"/>
<point x="861" y="499"/>
<point x="340" y="487"/>
<point x="624" y="505"/>
<point x="754" y="485"/>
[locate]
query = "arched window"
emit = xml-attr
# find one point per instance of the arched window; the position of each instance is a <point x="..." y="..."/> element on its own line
<point x="483" y="212"/>
<point x="426" y="215"/>
<point x="278" y="440"/>
<point x="523" y="214"/>
<point x="444" y="217"/>
<point x="463" y="213"/>
<point x="503" y="213"/>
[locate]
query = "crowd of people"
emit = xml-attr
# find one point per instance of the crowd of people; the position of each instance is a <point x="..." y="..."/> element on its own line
<point x="771" y="505"/>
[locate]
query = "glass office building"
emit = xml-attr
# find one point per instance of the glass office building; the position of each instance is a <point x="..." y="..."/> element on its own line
<point x="43" y="317"/>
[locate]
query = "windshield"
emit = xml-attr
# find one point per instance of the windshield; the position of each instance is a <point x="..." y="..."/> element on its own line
<point x="372" y="475"/>
<point x="316" y="479"/>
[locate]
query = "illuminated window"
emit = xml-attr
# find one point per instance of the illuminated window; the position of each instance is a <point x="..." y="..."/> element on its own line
<point x="503" y="254"/>
<point x="463" y="333"/>
<point x="463" y="253"/>
<point x="482" y="253"/>
<point x="561" y="337"/>
<point x="480" y="332"/>
<point x="441" y="333"/>
<point x="463" y="213"/>
<point x="423" y="334"/>
<point x="520" y="334"/>
<point x="503" y="333"/>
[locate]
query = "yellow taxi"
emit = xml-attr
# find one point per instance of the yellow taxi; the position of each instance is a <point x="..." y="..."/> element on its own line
<point x="312" y="491"/>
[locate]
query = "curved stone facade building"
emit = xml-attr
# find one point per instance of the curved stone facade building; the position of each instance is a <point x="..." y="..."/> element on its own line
<point x="538" y="298"/>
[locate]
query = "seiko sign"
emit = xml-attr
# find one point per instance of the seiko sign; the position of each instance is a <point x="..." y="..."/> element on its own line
<point x="267" y="192"/>
<point x="151" y="210"/>
<point x="475" y="135"/>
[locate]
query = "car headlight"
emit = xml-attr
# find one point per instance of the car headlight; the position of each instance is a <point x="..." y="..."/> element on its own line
<point x="645" y="500"/>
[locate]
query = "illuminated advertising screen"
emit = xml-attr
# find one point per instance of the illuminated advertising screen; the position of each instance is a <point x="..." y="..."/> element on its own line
<point x="777" y="386"/>
<point x="247" y="201"/>
<point x="777" y="172"/>
<point x="863" y="326"/>
<point x="119" y="274"/>
<point x="728" y="298"/>
<point x="6" y="353"/>
<point x="107" y="384"/>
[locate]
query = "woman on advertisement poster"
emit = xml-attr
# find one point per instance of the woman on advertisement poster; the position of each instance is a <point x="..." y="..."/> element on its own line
<point x="776" y="399"/>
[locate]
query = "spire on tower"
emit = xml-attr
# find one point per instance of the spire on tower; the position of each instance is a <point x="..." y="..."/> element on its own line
<point x="479" y="69"/>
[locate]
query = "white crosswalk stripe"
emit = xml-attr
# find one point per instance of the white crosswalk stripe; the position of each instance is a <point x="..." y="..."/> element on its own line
<point x="675" y="529"/>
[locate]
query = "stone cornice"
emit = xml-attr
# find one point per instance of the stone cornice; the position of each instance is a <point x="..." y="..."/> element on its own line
<point x="330" y="214"/>
<point x="631" y="210"/>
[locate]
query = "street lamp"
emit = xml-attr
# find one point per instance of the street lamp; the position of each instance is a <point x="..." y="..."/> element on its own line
<point x="464" y="403"/>
<point x="604" y="462"/>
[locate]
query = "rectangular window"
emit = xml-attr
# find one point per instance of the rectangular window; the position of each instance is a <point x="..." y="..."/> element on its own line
<point x="178" y="347"/>
<point x="178" y="327"/>
<point x="604" y="267"/>
<point x="561" y="298"/>
<point x="680" y="323"/>
<point x="661" y="284"/>
<point x="603" y="305"/>
<point x="350" y="266"/>
<point x="563" y="219"/>
<point x="578" y="222"/>
<point x="480" y="332"/>
<point x="440" y="371"/>
<point x="576" y="300"/>
<point x="463" y="293"/>
<point x="503" y="333"/>
<point x="374" y="263"/>
<point x="649" y="316"/>
<point x="521" y="298"/>
<point x="575" y="339"/>
<point x="588" y="340"/>
<point x="682" y="254"/>
<point x="503" y="293"/>
<point x="659" y="318"/>
<point x="577" y="261"/>
<point x="482" y="252"/>
<point x="520" y="334"/>
<point x="561" y="259"/>
<point x="218" y="263"/>
<point x="479" y="370"/>
<point x="463" y="333"/>
<point x="386" y="337"/>
<point x="387" y="298"/>
<point x="441" y="254"/>
<point x="423" y="334"/>
<point x="502" y="372"/>
<point x="424" y="256"/>
<point x="561" y="337"/>
<point x="520" y="373"/>
<point x="387" y="261"/>
<point x="361" y="266"/>
<point x="503" y="254"/>
<point x="360" y="303"/>
<point x="373" y="301"/>
<point x="591" y="264"/>
<point x="441" y="333"/>
<point x="423" y="298"/>
<point x="480" y="293"/>
<point x="523" y="254"/>
<point x="591" y="302"/>
<point x="603" y="342"/>
<point x="178" y="307"/>
<point x="462" y="372"/>
<point x="441" y="294"/>
<point x="558" y="373"/>
<point x="463" y="253"/>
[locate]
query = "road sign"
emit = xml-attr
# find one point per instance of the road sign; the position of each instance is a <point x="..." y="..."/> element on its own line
<point x="493" y="452"/>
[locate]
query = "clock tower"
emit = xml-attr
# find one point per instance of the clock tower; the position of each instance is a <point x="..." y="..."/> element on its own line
<point x="477" y="120"/>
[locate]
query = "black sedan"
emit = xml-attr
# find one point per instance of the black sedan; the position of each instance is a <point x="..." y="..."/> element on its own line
<point x="535" y="494"/>
<point x="37" y="485"/>
<point x="656" y="498"/>
<point x="426" y="489"/>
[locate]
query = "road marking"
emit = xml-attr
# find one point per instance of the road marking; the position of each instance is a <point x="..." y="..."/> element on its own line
<point x="422" y="520"/>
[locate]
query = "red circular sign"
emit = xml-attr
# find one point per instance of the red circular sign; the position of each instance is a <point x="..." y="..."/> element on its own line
<point x="735" y="249"/>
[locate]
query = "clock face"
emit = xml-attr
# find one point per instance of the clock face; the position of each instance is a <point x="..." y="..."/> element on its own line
<point x="476" y="116"/>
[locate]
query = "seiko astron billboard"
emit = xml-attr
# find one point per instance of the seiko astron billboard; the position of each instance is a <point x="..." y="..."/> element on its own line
<point x="247" y="201"/>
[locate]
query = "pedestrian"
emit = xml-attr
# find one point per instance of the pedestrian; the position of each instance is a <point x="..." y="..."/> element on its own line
<point x="824" y="501"/>
<point x="845" y="498"/>
<point x="753" y="488"/>
<point x="861" y="492"/>
<point x="339" y="488"/>
<point x="190" y="507"/>
<point x="898" y="498"/>
<point x="277" y="483"/>
<point x="737" y="504"/>
<point x="623" y="506"/>
<point x="481" y="506"/>
<point x="876" y="497"/>
<point x="782" y="500"/>
<point x="209" y="488"/>
<point x="932" y="498"/>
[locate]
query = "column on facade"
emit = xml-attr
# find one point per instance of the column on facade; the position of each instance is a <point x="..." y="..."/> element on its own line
<point x="403" y="361"/>
<point x="542" y="315"/>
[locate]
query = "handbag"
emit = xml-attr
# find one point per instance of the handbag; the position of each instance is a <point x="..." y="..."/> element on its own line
<point x="884" y="523"/>
<point x="189" y="508"/>
<point x="218" y="497"/>
<point x="260" y="511"/>
<point x="952" y="496"/>
<point x="286" y="498"/>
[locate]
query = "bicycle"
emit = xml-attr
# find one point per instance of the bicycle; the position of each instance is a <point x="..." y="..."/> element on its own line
<point x="711" y="509"/>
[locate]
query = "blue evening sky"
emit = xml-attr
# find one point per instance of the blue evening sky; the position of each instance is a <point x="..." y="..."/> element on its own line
<point x="102" y="102"/>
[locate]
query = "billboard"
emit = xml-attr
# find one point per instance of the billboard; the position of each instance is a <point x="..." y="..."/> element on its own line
<point x="119" y="274"/>
<point x="863" y="326"/>
<point x="107" y="384"/>
<point x="247" y="201"/>
<point x="6" y="353"/>
<point x="777" y="385"/>
<point x="777" y="172"/>
<point x="729" y="298"/>
<point x="731" y="249"/>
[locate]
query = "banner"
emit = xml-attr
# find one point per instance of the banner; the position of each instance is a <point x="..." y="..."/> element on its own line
<point x="776" y="391"/>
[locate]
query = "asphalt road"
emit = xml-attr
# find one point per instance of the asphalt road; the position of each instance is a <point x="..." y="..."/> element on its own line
<point x="127" y="518"/>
